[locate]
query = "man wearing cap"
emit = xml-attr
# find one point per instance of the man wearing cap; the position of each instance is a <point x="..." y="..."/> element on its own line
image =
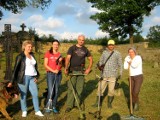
<point x="112" y="61"/>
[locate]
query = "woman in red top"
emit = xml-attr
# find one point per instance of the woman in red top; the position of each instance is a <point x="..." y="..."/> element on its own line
<point x="52" y="59"/>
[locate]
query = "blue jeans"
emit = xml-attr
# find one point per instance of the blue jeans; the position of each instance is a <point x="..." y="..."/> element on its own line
<point x="53" y="82"/>
<point x="32" y="86"/>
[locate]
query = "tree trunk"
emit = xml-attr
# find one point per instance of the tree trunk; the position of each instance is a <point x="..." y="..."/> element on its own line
<point x="131" y="35"/>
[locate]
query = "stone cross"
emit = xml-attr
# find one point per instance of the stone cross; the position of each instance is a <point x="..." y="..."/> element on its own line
<point x="7" y="44"/>
<point x="23" y="26"/>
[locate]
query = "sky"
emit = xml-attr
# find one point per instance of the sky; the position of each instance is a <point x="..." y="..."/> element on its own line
<point x="66" y="19"/>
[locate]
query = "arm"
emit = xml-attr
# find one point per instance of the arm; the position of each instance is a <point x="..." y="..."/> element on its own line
<point x="89" y="66"/>
<point x="101" y="60"/>
<point x="15" y="70"/>
<point x="120" y="64"/>
<point x="67" y="62"/>
<point x="126" y="62"/>
<point x="135" y="62"/>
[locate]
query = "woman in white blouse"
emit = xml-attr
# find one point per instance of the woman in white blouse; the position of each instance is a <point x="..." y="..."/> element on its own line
<point x="133" y="63"/>
<point x="25" y="73"/>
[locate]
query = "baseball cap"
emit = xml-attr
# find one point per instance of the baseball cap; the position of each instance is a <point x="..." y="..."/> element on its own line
<point x="111" y="42"/>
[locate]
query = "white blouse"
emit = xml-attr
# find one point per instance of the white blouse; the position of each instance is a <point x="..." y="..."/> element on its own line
<point x="136" y="65"/>
<point x="30" y="67"/>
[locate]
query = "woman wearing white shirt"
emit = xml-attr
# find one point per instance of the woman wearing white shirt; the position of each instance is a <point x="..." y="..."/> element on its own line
<point x="25" y="73"/>
<point x="133" y="63"/>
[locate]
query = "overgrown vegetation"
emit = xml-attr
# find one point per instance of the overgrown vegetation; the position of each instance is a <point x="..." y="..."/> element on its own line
<point x="149" y="94"/>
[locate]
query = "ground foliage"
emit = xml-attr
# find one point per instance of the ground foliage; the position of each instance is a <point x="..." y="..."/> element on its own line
<point x="149" y="95"/>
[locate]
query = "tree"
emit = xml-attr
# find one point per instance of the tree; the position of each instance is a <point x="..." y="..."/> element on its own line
<point x="122" y="17"/>
<point x="16" y="6"/>
<point x="154" y="34"/>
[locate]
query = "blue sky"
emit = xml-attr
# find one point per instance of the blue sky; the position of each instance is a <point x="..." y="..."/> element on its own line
<point x="66" y="19"/>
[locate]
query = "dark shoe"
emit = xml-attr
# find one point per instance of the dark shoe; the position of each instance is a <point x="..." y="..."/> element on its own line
<point x="55" y="111"/>
<point x="68" y="110"/>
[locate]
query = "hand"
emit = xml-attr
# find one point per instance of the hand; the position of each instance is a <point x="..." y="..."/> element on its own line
<point x="9" y="84"/>
<point x="87" y="71"/>
<point x="66" y="71"/>
<point x="119" y="77"/>
<point x="35" y="80"/>
<point x="56" y="71"/>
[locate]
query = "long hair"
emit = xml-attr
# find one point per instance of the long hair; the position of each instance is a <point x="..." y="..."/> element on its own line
<point x="51" y="49"/>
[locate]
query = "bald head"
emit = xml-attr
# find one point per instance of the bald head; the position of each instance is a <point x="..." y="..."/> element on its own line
<point x="81" y="40"/>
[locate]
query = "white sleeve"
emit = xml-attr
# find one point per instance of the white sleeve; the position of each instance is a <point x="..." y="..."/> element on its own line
<point x="126" y="60"/>
<point x="135" y="63"/>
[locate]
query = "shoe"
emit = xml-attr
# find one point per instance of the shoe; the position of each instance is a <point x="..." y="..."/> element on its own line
<point x="24" y="114"/>
<point x="39" y="114"/>
<point x="55" y="110"/>
<point x="47" y="111"/>
<point x="68" y="110"/>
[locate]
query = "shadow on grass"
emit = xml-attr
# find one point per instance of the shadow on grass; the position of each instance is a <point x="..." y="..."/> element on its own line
<point x="125" y="89"/>
<point x="89" y="87"/>
<point x="60" y="102"/>
<point x="63" y="88"/>
<point x="13" y="109"/>
<point x="114" y="116"/>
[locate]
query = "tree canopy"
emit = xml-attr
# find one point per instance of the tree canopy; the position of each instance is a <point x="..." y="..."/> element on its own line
<point x="154" y="34"/>
<point x="16" y="6"/>
<point x="122" y="17"/>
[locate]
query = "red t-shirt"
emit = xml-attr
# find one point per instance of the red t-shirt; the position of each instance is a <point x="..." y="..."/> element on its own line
<point x="52" y="60"/>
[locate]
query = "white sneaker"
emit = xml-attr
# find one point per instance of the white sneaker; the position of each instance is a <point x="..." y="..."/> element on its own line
<point x="39" y="114"/>
<point x="24" y="114"/>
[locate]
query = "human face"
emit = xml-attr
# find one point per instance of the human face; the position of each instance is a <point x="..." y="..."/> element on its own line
<point x="81" y="40"/>
<point x="111" y="47"/>
<point x="131" y="53"/>
<point x="28" y="48"/>
<point x="55" y="46"/>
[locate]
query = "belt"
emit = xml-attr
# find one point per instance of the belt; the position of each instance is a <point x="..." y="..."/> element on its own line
<point x="52" y="72"/>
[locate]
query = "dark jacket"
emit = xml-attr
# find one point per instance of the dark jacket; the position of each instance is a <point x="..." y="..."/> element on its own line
<point x="19" y="69"/>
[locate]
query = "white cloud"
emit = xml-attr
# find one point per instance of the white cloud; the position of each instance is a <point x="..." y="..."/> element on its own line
<point x="94" y="10"/>
<point x="13" y="19"/>
<point x="100" y="34"/>
<point x="40" y="22"/>
<point x="69" y="35"/>
<point x="156" y="19"/>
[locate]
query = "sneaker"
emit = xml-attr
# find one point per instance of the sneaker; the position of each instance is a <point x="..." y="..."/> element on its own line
<point x="24" y="114"/>
<point x="68" y="110"/>
<point x="39" y="114"/>
<point x="55" y="110"/>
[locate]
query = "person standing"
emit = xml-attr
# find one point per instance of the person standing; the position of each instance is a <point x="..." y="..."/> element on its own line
<point x="112" y="61"/>
<point x="26" y="74"/>
<point x="75" y="64"/>
<point x="133" y="63"/>
<point x="52" y="61"/>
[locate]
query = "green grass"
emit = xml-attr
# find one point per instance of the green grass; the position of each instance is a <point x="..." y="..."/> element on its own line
<point x="149" y="96"/>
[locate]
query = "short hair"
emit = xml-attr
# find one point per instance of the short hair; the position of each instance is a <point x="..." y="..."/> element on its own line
<point x="26" y="42"/>
<point x="81" y="35"/>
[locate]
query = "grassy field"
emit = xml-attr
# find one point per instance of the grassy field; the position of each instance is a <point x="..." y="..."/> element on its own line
<point x="149" y="94"/>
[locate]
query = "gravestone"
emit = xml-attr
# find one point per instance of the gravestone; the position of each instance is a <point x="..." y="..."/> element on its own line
<point x="7" y="45"/>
